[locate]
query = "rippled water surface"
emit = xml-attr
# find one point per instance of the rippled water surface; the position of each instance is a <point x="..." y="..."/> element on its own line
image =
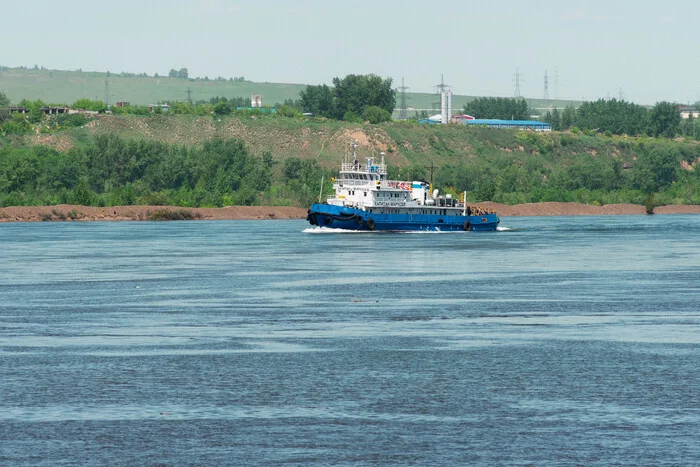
<point x="553" y="341"/>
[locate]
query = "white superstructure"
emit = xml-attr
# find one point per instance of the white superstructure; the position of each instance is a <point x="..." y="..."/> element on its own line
<point x="363" y="186"/>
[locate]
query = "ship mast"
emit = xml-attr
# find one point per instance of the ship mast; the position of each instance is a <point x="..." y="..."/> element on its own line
<point x="354" y="155"/>
<point x="432" y="169"/>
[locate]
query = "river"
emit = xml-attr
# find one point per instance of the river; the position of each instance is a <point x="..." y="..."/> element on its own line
<point x="556" y="340"/>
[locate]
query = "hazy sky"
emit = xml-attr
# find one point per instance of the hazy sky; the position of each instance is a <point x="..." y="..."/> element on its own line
<point x="650" y="50"/>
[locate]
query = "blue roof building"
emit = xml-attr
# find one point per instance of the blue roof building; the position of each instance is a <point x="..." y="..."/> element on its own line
<point x="521" y="124"/>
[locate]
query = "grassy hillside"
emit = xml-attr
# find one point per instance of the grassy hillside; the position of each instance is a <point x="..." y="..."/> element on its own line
<point x="327" y="141"/>
<point x="65" y="87"/>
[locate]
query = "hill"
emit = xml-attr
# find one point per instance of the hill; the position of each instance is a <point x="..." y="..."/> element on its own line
<point x="65" y="87"/>
<point x="251" y="158"/>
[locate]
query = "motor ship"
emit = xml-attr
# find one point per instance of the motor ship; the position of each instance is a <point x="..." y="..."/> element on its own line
<point x="365" y="199"/>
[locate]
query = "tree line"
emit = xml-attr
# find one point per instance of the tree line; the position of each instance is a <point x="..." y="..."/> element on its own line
<point x="108" y="171"/>
<point x="111" y="171"/>
<point x="619" y="117"/>
<point x="497" y="107"/>
<point x="353" y="98"/>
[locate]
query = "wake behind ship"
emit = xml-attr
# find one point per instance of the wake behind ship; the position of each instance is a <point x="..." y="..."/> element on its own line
<point x="366" y="200"/>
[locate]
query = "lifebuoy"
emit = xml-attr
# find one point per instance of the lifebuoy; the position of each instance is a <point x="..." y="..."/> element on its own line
<point x="359" y="219"/>
<point x="370" y="224"/>
<point x="467" y="226"/>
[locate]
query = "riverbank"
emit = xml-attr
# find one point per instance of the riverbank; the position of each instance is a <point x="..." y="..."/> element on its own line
<point x="67" y="212"/>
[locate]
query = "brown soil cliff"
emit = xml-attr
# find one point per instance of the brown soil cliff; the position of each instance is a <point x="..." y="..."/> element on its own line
<point x="66" y="212"/>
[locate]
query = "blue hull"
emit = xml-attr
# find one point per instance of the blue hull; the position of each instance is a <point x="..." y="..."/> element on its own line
<point x="346" y="218"/>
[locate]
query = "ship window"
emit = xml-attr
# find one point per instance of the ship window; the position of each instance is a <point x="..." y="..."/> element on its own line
<point x="365" y="193"/>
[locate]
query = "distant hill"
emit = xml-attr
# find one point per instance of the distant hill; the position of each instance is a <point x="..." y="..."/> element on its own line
<point x="65" y="87"/>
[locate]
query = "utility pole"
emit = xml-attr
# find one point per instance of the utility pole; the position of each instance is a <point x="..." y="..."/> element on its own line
<point x="403" y="108"/>
<point x="106" y="98"/>
<point x="189" y="95"/>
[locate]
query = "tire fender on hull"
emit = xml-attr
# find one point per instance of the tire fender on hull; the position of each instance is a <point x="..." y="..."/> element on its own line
<point x="467" y="226"/>
<point x="370" y="224"/>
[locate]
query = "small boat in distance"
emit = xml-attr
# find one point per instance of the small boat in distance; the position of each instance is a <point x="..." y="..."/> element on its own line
<point x="366" y="200"/>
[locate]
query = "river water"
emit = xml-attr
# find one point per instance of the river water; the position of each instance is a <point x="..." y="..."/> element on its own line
<point x="558" y="340"/>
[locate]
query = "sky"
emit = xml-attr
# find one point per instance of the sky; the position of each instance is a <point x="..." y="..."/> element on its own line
<point x="645" y="51"/>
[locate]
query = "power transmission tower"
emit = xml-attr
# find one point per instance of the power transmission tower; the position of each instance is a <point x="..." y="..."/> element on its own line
<point x="517" y="82"/>
<point x="440" y="88"/>
<point x="189" y="95"/>
<point x="546" y="86"/>
<point x="621" y="95"/>
<point x="403" y="107"/>
<point x="106" y="97"/>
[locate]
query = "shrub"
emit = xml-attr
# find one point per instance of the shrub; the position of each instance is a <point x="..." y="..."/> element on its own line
<point x="168" y="215"/>
<point x="222" y="108"/>
<point x="650" y="203"/>
<point x="58" y="214"/>
<point x="352" y="117"/>
<point x="71" y="120"/>
<point x="375" y="114"/>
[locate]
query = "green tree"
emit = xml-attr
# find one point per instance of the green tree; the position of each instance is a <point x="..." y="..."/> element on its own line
<point x="317" y="100"/>
<point x="656" y="168"/>
<point x="498" y="107"/>
<point x="89" y="104"/>
<point x="567" y="117"/>
<point x="4" y="100"/>
<point x="665" y="119"/>
<point x="222" y="108"/>
<point x="354" y="93"/>
<point x="181" y="108"/>
<point x="556" y="120"/>
<point x="374" y="114"/>
<point x="288" y="111"/>
<point x="618" y="117"/>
